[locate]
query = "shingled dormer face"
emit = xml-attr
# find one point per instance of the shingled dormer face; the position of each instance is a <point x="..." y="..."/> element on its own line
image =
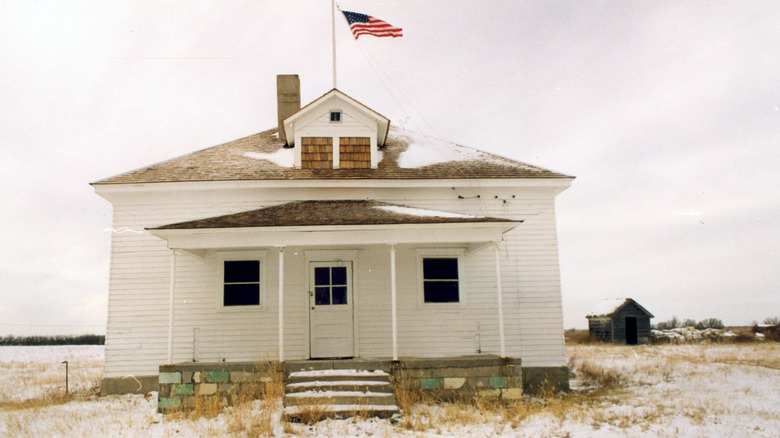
<point x="336" y="132"/>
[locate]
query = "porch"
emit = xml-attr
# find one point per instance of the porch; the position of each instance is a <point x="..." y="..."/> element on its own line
<point x="183" y="385"/>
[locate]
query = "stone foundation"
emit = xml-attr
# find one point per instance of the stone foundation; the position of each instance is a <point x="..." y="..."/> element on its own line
<point x="450" y="378"/>
<point x="184" y="385"/>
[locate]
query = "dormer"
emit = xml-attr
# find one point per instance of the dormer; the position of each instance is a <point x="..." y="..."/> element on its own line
<point x="336" y="131"/>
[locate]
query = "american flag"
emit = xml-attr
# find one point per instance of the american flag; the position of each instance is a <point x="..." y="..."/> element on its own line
<point x="362" y="24"/>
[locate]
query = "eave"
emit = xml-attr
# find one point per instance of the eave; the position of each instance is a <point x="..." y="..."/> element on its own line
<point x="197" y="241"/>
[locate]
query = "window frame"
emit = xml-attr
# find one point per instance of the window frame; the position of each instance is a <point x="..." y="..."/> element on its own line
<point x="335" y="111"/>
<point x="233" y="256"/>
<point x="440" y="253"/>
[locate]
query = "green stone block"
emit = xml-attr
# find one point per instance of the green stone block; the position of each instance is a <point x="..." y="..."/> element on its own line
<point x="170" y="377"/>
<point x="168" y="403"/>
<point x="217" y="376"/>
<point x="497" y="382"/>
<point x="185" y="389"/>
<point x="430" y="382"/>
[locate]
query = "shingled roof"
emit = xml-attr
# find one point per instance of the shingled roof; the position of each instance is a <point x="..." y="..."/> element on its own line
<point x="262" y="156"/>
<point x="324" y="213"/>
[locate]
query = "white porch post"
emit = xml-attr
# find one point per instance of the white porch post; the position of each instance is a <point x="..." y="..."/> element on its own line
<point x="393" y="305"/>
<point x="172" y="294"/>
<point x="501" y="338"/>
<point x="281" y="304"/>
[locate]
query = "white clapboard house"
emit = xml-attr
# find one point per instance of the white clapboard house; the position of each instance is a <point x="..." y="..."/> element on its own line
<point x="336" y="235"/>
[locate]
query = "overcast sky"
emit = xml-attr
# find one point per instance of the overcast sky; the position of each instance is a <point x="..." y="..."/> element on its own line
<point x="667" y="112"/>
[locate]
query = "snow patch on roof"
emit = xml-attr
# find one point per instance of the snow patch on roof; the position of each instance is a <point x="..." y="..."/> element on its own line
<point x="424" y="151"/>
<point x="427" y="151"/>
<point x="284" y="157"/>
<point x="608" y="307"/>
<point x="410" y="211"/>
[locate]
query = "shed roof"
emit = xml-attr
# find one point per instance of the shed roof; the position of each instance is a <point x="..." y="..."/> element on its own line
<point x="324" y="213"/>
<point x="262" y="156"/>
<point x="611" y="306"/>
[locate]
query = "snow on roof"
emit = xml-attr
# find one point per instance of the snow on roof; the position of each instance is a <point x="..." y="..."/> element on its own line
<point x="426" y="151"/>
<point x="284" y="157"/>
<point x="410" y="211"/>
<point x="608" y="307"/>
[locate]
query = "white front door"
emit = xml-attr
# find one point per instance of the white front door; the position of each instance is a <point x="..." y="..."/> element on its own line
<point x="331" y="310"/>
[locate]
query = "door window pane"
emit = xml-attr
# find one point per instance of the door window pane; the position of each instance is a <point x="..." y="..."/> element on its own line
<point x="339" y="294"/>
<point x="321" y="276"/>
<point x="339" y="274"/>
<point x="322" y="296"/>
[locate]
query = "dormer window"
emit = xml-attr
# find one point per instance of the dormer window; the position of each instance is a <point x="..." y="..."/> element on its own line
<point x="336" y="132"/>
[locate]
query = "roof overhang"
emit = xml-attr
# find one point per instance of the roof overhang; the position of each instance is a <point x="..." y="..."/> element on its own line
<point x="197" y="241"/>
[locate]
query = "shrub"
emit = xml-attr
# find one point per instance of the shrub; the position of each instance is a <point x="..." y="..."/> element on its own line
<point x="579" y="337"/>
<point x="710" y="323"/>
<point x="668" y="325"/>
<point x="53" y="340"/>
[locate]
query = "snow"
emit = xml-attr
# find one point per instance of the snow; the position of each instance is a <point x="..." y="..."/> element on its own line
<point x="284" y="157"/>
<point x="723" y="390"/>
<point x="409" y="211"/>
<point x="319" y="383"/>
<point x="427" y="151"/>
<point x="683" y="335"/>
<point x="343" y="373"/>
<point x="608" y="307"/>
<point x="342" y="408"/>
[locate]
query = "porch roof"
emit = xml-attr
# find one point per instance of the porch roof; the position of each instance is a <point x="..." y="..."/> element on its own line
<point x="333" y="223"/>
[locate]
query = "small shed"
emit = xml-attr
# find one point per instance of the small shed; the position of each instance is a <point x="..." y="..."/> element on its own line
<point x="620" y="321"/>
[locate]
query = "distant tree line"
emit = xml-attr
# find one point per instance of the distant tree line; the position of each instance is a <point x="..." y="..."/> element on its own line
<point x="775" y="320"/>
<point x="682" y="323"/>
<point x="53" y="340"/>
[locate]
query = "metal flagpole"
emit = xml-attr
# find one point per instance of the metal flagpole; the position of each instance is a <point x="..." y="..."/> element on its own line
<point x="333" y="32"/>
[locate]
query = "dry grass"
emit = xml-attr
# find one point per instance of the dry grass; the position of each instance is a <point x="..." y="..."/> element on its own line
<point x="659" y="390"/>
<point x="250" y="413"/>
<point x="579" y="337"/>
<point x="312" y="413"/>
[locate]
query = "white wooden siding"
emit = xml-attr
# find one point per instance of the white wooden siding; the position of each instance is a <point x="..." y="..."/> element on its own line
<point x="140" y="274"/>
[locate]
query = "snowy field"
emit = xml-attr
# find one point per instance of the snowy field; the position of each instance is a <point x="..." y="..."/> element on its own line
<point x="705" y="390"/>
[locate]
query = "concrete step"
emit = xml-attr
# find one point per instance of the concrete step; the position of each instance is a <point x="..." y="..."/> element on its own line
<point x="340" y="411"/>
<point x="340" y="385"/>
<point x="336" y="375"/>
<point x="338" y="393"/>
<point x="327" y="398"/>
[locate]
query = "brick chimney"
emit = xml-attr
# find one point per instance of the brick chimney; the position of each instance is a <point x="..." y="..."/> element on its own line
<point x="288" y="99"/>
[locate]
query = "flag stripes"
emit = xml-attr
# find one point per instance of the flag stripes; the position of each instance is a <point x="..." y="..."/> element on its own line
<point x="362" y="24"/>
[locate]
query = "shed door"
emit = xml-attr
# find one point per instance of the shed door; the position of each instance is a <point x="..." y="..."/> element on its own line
<point x="331" y="310"/>
<point x="631" y="331"/>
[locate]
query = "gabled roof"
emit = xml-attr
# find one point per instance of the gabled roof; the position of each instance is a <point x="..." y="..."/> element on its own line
<point x="382" y="122"/>
<point x="407" y="155"/>
<point x="612" y="306"/>
<point x="330" y="213"/>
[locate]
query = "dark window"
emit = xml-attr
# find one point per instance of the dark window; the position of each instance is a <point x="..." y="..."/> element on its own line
<point x="241" y="283"/>
<point x="440" y="280"/>
<point x="330" y="285"/>
<point x="335" y="116"/>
